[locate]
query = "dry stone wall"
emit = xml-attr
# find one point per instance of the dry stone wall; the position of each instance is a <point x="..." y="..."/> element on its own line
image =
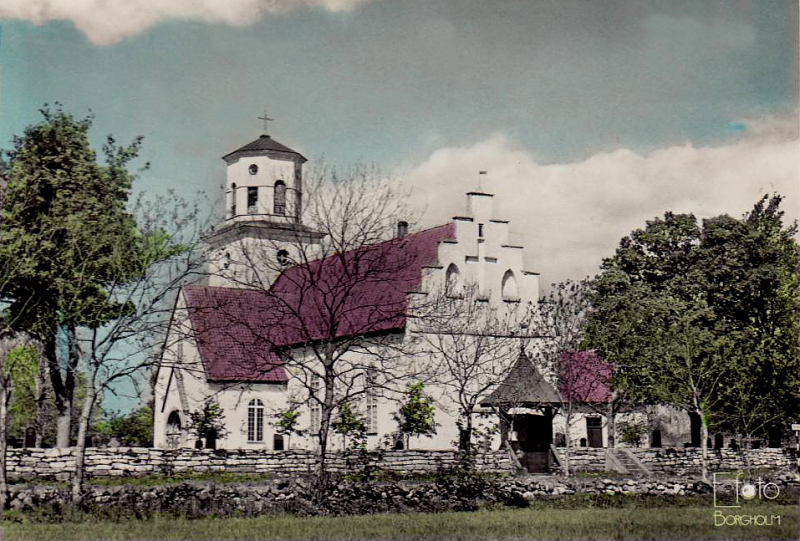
<point x="198" y="499"/>
<point x="58" y="464"/>
<point x="685" y="461"/>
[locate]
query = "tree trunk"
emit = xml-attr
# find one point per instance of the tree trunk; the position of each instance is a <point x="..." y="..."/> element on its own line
<point x="567" y="443"/>
<point x="704" y="445"/>
<point x="324" y="430"/>
<point x="5" y="398"/>
<point x="79" y="475"/>
<point x="63" y="387"/>
<point x="465" y="434"/>
<point x="612" y="424"/>
<point x="41" y="397"/>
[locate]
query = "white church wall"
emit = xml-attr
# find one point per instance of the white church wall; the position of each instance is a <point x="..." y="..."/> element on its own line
<point x="481" y="252"/>
<point x="235" y="401"/>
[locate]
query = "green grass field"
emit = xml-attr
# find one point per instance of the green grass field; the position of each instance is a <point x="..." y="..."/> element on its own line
<point x="684" y="522"/>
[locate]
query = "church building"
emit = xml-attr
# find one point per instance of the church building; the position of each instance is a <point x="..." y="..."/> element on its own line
<point x="232" y="339"/>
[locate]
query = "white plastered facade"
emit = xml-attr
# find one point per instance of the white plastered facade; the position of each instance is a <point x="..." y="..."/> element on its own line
<point x="480" y="254"/>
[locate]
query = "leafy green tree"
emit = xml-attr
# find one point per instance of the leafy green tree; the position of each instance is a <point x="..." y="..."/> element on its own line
<point x="211" y="418"/>
<point x="9" y="365"/>
<point x="287" y="423"/>
<point x="22" y="367"/>
<point x="416" y="414"/>
<point x="134" y="429"/>
<point x="349" y="425"/>
<point x="66" y="232"/>
<point x="751" y="275"/>
<point x="704" y="318"/>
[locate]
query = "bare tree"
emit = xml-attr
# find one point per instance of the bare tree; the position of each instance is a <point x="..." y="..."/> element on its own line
<point x="566" y="308"/>
<point x="331" y="308"/>
<point x="472" y="344"/>
<point x="583" y="378"/>
<point x="121" y="352"/>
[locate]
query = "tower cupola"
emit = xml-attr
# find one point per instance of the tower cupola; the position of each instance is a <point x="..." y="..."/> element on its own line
<point x="264" y="182"/>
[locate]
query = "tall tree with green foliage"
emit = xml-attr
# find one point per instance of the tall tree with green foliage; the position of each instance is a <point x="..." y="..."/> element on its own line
<point x="705" y="318"/>
<point x="66" y="232"/>
<point x="106" y="272"/>
<point x="415" y="417"/>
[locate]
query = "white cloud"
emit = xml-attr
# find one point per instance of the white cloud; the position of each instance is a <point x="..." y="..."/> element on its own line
<point x="570" y="216"/>
<point x="108" y="21"/>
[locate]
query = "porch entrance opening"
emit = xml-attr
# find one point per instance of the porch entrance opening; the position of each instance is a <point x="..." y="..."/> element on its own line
<point x="534" y="437"/>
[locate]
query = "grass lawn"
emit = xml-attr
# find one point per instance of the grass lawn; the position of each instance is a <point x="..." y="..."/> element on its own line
<point x="684" y="522"/>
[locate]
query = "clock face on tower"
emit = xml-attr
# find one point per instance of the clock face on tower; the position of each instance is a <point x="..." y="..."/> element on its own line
<point x="253" y="169"/>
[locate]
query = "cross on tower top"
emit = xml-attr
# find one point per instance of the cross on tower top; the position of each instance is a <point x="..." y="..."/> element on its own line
<point x="266" y="120"/>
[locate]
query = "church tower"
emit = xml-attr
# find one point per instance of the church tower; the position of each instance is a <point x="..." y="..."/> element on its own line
<point x="262" y="230"/>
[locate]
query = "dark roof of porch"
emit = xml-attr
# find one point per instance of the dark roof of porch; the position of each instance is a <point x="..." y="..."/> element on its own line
<point x="524" y="386"/>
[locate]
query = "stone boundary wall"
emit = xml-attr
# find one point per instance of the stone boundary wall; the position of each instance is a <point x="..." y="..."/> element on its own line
<point x="58" y="464"/>
<point x="668" y="461"/>
<point x="198" y="499"/>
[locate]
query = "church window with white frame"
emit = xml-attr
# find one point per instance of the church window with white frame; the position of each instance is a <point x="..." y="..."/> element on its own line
<point x="370" y="379"/>
<point x="255" y="421"/>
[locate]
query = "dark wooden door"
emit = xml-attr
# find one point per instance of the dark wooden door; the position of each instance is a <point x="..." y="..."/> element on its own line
<point x="594" y="431"/>
<point x="534" y="436"/>
<point x="30" y="437"/>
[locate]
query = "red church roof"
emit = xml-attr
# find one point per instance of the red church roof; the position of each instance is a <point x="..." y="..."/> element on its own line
<point x="359" y="292"/>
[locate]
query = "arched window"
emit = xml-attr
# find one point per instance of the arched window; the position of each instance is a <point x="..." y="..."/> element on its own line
<point x="283" y="257"/>
<point x="280" y="198"/>
<point x="509" y="288"/>
<point x="255" y="420"/>
<point x="233" y="200"/>
<point x="453" y="285"/>
<point x="174" y="430"/>
<point x="252" y="199"/>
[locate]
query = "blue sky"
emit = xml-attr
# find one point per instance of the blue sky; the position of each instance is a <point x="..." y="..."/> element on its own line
<point x="390" y="82"/>
<point x="591" y="117"/>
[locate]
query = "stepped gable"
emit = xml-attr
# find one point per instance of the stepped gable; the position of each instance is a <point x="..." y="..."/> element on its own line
<point x="360" y="292"/>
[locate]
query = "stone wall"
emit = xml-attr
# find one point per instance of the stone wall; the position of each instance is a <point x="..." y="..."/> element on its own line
<point x="197" y="499"/>
<point x="685" y="461"/>
<point x="58" y="464"/>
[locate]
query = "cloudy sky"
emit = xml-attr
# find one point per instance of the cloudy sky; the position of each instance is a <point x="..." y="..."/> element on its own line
<point x="589" y="116"/>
